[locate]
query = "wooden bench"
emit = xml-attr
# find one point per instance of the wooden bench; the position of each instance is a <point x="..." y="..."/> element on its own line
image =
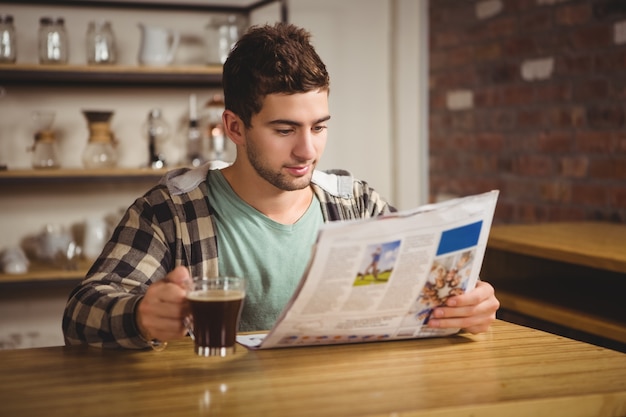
<point x="572" y="275"/>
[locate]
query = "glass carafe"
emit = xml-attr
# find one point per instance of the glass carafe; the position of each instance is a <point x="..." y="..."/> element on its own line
<point x="45" y="152"/>
<point x="100" y="151"/>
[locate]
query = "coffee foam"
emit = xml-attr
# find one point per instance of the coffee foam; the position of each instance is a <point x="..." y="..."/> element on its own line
<point x="215" y="295"/>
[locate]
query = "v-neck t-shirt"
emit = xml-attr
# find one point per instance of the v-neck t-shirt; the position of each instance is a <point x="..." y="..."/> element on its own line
<point x="271" y="256"/>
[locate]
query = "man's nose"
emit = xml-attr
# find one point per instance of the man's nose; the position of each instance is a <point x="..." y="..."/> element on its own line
<point x="305" y="146"/>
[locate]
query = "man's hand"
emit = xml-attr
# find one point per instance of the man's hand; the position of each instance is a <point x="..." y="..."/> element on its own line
<point x="473" y="311"/>
<point x="161" y="312"/>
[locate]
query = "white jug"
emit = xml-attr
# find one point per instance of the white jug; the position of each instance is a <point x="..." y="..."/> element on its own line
<point x="158" y="45"/>
<point x="96" y="235"/>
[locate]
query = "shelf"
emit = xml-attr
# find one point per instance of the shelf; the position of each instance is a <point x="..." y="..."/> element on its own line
<point x="29" y="74"/>
<point x="41" y="273"/>
<point x="570" y="316"/>
<point x="39" y="176"/>
<point x="224" y="6"/>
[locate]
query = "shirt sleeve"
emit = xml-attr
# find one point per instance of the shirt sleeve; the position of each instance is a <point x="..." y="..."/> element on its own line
<point x="101" y="309"/>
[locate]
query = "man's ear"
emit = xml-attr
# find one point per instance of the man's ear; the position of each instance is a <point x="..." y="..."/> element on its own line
<point x="233" y="127"/>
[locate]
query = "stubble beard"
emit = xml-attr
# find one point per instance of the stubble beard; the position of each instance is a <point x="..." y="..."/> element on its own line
<point x="276" y="178"/>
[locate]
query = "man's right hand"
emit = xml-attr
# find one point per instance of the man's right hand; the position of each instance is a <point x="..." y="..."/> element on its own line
<point x="161" y="312"/>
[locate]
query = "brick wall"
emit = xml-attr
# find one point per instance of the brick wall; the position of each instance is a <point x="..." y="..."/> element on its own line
<point x="528" y="96"/>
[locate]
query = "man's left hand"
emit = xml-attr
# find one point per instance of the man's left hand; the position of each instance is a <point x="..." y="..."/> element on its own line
<point x="473" y="311"/>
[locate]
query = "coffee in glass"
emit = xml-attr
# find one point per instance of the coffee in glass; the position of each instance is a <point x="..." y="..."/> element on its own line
<point x="215" y="305"/>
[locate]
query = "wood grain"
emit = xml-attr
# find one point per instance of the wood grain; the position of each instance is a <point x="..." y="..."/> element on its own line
<point x="595" y="244"/>
<point x="511" y="370"/>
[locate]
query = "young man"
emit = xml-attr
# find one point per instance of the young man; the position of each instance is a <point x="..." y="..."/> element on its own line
<point x="256" y="218"/>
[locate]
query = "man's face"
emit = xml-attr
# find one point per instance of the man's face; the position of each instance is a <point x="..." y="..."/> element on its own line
<point x="287" y="138"/>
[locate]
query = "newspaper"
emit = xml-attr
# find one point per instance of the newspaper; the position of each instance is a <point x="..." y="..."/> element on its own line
<point x="380" y="278"/>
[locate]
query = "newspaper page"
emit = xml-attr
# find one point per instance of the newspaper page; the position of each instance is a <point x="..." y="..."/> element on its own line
<point x="380" y="278"/>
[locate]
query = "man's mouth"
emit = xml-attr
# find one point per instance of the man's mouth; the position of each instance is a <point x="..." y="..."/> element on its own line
<point x="299" y="170"/>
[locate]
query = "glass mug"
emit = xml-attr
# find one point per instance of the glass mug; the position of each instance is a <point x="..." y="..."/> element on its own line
<point x="215" y="304"/>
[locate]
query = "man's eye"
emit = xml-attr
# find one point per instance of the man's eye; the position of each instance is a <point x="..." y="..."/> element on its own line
<point x="283" y="132"/>
<point x="318" y="129"/>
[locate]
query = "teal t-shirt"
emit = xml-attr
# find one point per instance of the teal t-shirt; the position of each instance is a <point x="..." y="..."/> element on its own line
<point x="270" y="255"/>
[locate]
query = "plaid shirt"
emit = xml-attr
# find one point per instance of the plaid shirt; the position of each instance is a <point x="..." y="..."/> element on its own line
<point x="171" y="225"/>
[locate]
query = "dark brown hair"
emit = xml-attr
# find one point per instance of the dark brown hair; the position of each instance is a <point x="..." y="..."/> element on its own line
<point x="268" y="60"/>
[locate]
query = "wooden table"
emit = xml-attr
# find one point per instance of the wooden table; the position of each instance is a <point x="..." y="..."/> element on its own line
<point x="509" y="371"/>
<point x="570" y="274"/>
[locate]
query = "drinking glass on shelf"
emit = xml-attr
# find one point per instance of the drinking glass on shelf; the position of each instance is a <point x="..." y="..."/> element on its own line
<point x="101" y="47"/>
<point x="53" y="42"/>
<point x="8" y="51"/>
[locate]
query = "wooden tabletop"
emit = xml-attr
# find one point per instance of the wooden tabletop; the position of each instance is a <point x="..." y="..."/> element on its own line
<point x="510" y="371"/>
<point x="596" y="244"/>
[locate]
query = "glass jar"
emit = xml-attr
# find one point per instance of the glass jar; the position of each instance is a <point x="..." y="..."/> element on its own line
<point x="8" y="51"/>
<point x="53" y="42"/>
<point x="100" y="43"/>
<point x="222" y="32"/>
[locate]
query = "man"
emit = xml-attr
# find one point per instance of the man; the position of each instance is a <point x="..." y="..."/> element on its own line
<point x="256" y="218"/>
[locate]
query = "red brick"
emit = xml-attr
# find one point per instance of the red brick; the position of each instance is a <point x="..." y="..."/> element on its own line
<point x="611" y="61"/>
<point x="555" y="191"/>
<point x="487" y="52"/>
<point x="574" y="65"/>
<point x="462" y="142"/>
<point x="538" y="20"/>
<point x="608" y="168"/>
<point x="610" y="116"/>
<point x="555" y="142"/>
<point x="437" y="101"/>
<point x="444" y="39"/>
<point x="520" y="47"/>
<point x="562" y="213"/>
<point x="566" y="116"/>
<point x="495" y="120"/>
<point x="532" y="213"/>
<point x="517" y="188"/>
<point x="575" y="166"/>
<point x="521" y="142"/>
<point x="445" y="163"/>
<point x="491" y="142"/>
<point x="516" y="95"/>
<point x="621" y="143"/>
<point x="595" y="142"/>
<point x="574" y="14"/>
<point x="590" y="37"/>
<point x="590" y="195"/>
<point x="530" y="118"/>
<point x="553" y="92"/>
<point x="536" y="165"/>
<point x="501" y="27"/>
<point x="486" y="97"/>
<point x="591" y="89"/>
<point x="484" y="164"/>
<point x="618" y="196"/>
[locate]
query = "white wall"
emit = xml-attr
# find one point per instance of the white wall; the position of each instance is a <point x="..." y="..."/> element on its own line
<point x="353" y="38"/>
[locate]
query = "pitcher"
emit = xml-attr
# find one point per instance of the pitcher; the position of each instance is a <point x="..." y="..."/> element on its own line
<point x="158" y="45"/>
